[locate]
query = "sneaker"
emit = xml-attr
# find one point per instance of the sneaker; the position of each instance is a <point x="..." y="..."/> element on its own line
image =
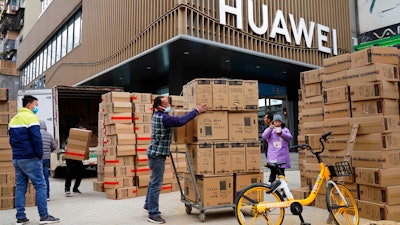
<point x="67" y="193"/>
<point x="22" y="221"/>
<point x="76" y="191"/>
<point x="49" y="220"/>
<point x="48" y="199"/>
<point x="156" y="219"/>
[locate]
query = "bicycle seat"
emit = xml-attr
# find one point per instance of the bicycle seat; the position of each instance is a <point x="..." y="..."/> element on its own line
<point x="274" y="165"/>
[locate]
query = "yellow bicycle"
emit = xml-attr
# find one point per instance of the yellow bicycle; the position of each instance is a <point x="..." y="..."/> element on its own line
<point x="262" y="203"/>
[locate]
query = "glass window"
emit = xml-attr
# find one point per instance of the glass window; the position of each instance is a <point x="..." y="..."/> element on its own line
<point x="40" y="63"/>
<point x="70" y="41"/>
<point x="53" y="51"/>
<point x="48" y="55"/>
<point x="44" y="59"/>
<point x="77" y="29"/>
<point x="58" y="48"/>
<point x="64" y="37"/>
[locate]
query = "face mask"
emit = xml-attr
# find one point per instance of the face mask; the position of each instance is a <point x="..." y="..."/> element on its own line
<point x="168" y="109"/>
<point x="35" y="110"/>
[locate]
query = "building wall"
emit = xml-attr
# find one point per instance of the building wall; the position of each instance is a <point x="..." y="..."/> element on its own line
<point x="32" y="12"/>
<point x="114" y="32"/>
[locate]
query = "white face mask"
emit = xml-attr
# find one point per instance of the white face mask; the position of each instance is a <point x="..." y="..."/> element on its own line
<point x="166" y="110"/>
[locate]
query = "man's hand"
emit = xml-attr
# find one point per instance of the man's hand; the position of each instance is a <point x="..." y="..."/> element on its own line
<point x="202" y="107"/>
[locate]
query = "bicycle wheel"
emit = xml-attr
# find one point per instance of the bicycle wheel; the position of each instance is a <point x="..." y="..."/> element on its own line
<point x="341" y="213"/>
<point x="247" y="202"/>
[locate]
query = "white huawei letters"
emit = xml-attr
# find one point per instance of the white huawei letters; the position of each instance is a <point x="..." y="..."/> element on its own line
<point x="279" y="26"/>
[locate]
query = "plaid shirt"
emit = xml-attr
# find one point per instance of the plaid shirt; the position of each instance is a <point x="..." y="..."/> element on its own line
<point x="161" y="126"/>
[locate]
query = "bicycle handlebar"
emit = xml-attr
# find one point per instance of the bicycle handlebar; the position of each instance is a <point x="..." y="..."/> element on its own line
<point x="322" y="139"/>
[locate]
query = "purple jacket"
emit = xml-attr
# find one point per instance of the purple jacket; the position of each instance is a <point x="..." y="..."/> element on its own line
<point x="278" y="150"/>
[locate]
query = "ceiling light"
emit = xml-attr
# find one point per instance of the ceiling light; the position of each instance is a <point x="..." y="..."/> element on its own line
<point x="258" y="67"/>
<point x="227" y="60"/>
<point x="186" y="53"/>
<point x="149" y="67"/>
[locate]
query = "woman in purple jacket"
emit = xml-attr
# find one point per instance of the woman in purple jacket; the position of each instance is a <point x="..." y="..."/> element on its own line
<point x="277" y="136"/>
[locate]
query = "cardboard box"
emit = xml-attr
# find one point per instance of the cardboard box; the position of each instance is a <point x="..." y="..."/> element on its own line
<point x="79" y="134"/>
<point x="6" y="155"/>
<point x="215" y="190"/>
<point x="336" y="63"/>
<point x="313" y="127"/>
<point x="117" y="107"/>
<point x="253" y="156"/>
<point x="119" y="161"/>
<point x="311" y="76"/>
<point x="313" y="102"/>
<point x="243" y="126"/>
<point x="339" y="110"/>
<point x="113" y="182"/>
<point x="376" y="211"/>
<point x="141" y="97"/>
<point x="202" y="157"/>
<point x="114" y="171"/>
<point x="176" y="101"/>
<point x="76" y="154"/>
<point x="376" y="159"/>
<point x="143" y="139"/>
<point x="142" y="117"/>
<point x="143" y="108"/>
<point x="4" y="94"/>
<point x="250" y="94"/>
<point x="5" y="142"/>
<point x="337" y="142"/>
<point x="337" y="126"/>
<point x="141" y="160"/>
<point x="132" y="192"/>
<point x="119" y="128"/>
<point x="142" y="128"/>
<point x="241" y="181"/>
<point x="141" y="149"/>
<point x="211" y="125"/>
<point x="336" y="95"/>
<point x="386" y="55"/>
<point x="238" y="157"/>
<point x="376" y="124"/>
<point x="310" y="115"/>
<point x="312" y="89"/>
<point x="142" y="170"/>
<point x="235" y="95"/>
<point x="384" y="195"/>
<point x="4" y="107"/>
<point x="6" y="203"/>
<point x="334" y="79"/>
<point x="117" y="193"/>
<point x="219" y="95"/>
<point x="121" y="150"/>
<point x="114" y="96"/>
<point x="183" y="134"/>
<point x="377" y="142"/>
<point x="198" y="91"/>
<point x="371" y="73"/>
<point x="374" y="90"/>
<point x="121" y="139"/>
<point x="4" y="118"/>
<point x="375" y="107"/>
<point x="114" y="118"/>
<point x="377" y="177"/>
<point x="222" y="158"/>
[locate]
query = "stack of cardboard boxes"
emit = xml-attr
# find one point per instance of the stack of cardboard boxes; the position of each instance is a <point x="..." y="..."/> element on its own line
<point x="124" y="135"/>
<point x="357" y="88"/>
<point x="224" y="151"/>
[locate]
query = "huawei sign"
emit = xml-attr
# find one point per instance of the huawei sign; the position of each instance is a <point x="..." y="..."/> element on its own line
<point x="279" y="26"/>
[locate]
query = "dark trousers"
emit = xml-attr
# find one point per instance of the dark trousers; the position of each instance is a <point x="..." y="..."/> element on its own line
<point x="274" y="173"/>
<point x="74" y="170"/>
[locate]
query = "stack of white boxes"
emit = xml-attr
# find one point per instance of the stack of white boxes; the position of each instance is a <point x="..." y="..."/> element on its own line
<point x="360" y="87"/>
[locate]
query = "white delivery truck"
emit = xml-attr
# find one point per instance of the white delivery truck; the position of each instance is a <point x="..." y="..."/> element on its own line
<point x="64" y="107"/>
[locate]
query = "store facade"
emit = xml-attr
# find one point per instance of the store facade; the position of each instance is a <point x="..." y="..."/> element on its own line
<point x="157" y="46"/>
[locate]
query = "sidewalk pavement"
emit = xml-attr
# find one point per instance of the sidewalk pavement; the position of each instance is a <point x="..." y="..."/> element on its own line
<point x="93" y="208"/>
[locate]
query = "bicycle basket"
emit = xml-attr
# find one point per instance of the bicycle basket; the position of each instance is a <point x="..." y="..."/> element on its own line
<point x="341" y="169"/>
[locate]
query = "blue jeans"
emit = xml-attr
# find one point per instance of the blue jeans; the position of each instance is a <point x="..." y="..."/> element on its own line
<point x="26" y="169"/>
<point x="46" y="167"/>
<point x="157" y="168"/>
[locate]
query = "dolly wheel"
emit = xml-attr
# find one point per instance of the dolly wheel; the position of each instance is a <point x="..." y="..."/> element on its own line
<point x="188" y="209"/>
<point x="202" y="216"/>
